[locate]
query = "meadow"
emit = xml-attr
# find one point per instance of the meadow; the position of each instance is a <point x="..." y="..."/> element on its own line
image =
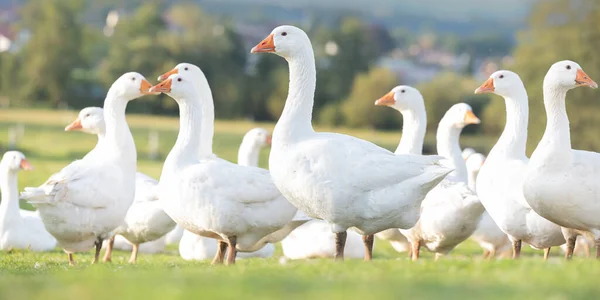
<point x="462" y="274"/>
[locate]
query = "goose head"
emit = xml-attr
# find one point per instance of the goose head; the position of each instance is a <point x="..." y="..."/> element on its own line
<point x="503" y="83"/>
<point x="90" y="120"/>
<point x="183" y="68"/>
<point x="180" y="87"/>
<point x="475" y="162"/>
<point x="257" y="137"/>
<point x="566" y="75"/>
<point x="131" y="85"/>
<point x="459" y="116"/>
<point x="286" y="41"/>
<point x="401" y="98"/>
<point x="14" y="161"/>
<point x="467" y="152"/>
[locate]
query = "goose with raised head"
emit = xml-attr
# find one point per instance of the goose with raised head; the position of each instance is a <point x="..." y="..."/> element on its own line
<point x="196" y="247"/>
<point x="450" y="211"/>
<point x="75" y="204"/>
<point x="561" y="184"/>
<point x="344" y="180"/>
<point x="145" y="223"/>
<point x="237" y="205"/>
<point x="500" y="180"/>
<point x="19" y="230"/>
<point x="488" y="235"/>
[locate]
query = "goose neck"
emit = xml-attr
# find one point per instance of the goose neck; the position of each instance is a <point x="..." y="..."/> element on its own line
<point x="472" y="180"/>
<point x="117" y="136"/>
<point x="187" y="145"/>
<point x="296" y="117"/>
<point x="557" y="138"/>
<point x="248" y="154"/>
<point x="448" y="146"/>
<point x="9" y="207"/>
<point x="207" y="129"/>
<point x="413" y="131"/>
<point x="513" y="140"/>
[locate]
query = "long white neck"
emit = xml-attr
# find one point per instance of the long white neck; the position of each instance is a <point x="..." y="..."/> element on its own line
<point x="557" y="137"/>
<point x="186" y="148"/>
<point x="207" y="129"/>
<point x="472" y="179"/>
<point x="248" y="153"/>
<point x="296" y="117"/>
<point x="118" y="138"/>
<point x="413" y="130"/>
<point x="513" y="140"/>
<point x="448" y="146"/>
<point x="9" y="207"/>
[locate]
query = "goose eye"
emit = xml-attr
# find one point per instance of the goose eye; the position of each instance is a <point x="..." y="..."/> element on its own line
<point x="179" y="79"/>
<point x="568" y="67"/>
<point x="87" y="115"/>
<point x="132" y="78"/>
<point x="403" y="91"/>
<point x="501" y="76"/>
<point x="186" y="68"/>
<point x="284" y="33"/>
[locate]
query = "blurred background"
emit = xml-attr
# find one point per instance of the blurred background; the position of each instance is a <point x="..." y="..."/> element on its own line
<point x="64" y="54"/>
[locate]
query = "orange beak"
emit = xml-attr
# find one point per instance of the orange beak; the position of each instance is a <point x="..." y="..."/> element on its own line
<point x="267" y="45"/>
<point x="387" y="99"/>
<point x="145" y="88"/>
<point x="25" y="165"/>
<point x="486" y="87"/>
<point x="269" y="139"/>
<point x="583" y="79"/>
<point x="166" y="75"/>
<point x="75" y="125"/>
<point x="471" y="118"/>
<point x="163" y="87"/>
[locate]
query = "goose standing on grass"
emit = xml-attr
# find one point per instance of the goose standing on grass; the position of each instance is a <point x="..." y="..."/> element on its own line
<point x="500" y="180"/>
<point x="346" y="181"/>
<point x="450" y="211"/>
<point x="237" y="205"/>
<point x="83" y="203"/>
<point x="196" y="247"/>
<point x="145" y="223"/>
<point x="561" y="184"/>
<point x="488" y="235"/>
<point x="19" y="230"/>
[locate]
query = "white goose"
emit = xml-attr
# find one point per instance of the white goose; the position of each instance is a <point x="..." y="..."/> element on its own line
<point x="561" y="184"/>
<point x="451" y="211"/>
<point x="145" y="220"/>
<point x="488" y="235"/>
<point x="238" y="205"/>
<point x="500" y="180"/>
<point x="75" y="204"/>
<point x="346" y="181"/>
<point x="196" y="247"/>
<point x="19" y="230"/>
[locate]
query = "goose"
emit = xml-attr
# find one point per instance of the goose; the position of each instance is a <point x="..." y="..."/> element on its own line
<point x="145" y="220"/>
<point x="561" y="184"/>
<point x="451" y="211"/>
<point x="344" y="180"/>
<point x="75" y="204"/>
<point x="237" y="205"/>
<point x="18" y="229"/>
<point x="467" y="152"/>
<point x="500" y="180"/>
<point x="488" y="235"/>
<point x="196" y="247"/>
<point x="315" y="240"/>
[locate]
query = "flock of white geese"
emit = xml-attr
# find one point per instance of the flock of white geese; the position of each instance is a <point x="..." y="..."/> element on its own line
<point x="319" y="185"/>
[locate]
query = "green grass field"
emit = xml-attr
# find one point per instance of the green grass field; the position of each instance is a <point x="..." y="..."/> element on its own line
<point x="462" y="274"/>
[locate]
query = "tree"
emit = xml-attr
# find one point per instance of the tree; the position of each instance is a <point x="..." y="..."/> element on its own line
<point x="53" y="51"/>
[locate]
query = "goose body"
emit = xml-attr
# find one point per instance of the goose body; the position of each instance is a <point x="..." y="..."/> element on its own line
<point x="75" y="204"/>
<point x="346" y="181"/>
<point x="19" y="229"/>
<point x="561" y="184"/>
<point x="500" y="180"/>
<point x="145" y="220"/>
<point x="238" y="205"/>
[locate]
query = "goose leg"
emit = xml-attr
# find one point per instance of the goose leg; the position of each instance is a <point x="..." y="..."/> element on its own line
<point x="220" y="255"/>
<point x="586" y="249"/>
<point x="516" y="249"/>
<point x="492" y="254"/>
<point x="98" y="244"/>
<point x="486" y="253"/>
<point x="547" y="253"/>
<point x="597" y="248"/>
<point x="109" y="248"/>
<point x="571" y="240"/>
<point x="134" y="252"/>
<point x="340" y="244"/>
<point x="232" y="251"/>
<point x="409" y="252"/>
<point x="416" y="246"/>
<point x="368" y="241"/>
<point x="71" y="260"/>
<point x="437" y="256"/>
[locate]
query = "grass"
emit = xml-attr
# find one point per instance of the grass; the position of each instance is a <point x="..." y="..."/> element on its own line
<point x="463" y="274"/>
